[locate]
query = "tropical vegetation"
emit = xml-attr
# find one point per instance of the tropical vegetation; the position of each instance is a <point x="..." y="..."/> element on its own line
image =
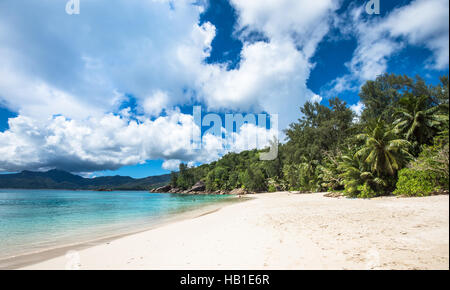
<point x="398" y="144"/>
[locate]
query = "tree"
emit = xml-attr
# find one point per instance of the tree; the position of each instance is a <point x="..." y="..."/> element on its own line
<point x="383" y="150"/>
<point x="220" y="177"/>
<point x="378" y="96"/>
<point x="320" y="129"/>
<point x="253" y="179"/>
<point x="417" y="121"/>
<point x="210" y="181"/>
<point x="358" y="180"/>
<point x="173" y="179"/>
<point x="440" y="92"/>
<point x="381" y="95"/>
<point x="185" y="177"/>
<point x="429" y="173"/>
<point x="328" y="172"/>
<point x="435" y="158"/>
<point x="325" y="149"/>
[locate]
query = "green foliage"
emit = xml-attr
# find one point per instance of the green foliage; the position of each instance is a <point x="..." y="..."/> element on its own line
<point x="173" y="179"/>
<point x="330" y="149"/>
<point x="383" y="150"/>
<point x="413" y="182"/>
<point x="272" y="188"/>
<point x="439" y="93"/>
<point x="429" y="173"/>
<point x="185" y="178"/>
<point x="328" y="174"/>
<point x="320" y="129"/>
<point x="358" y="180"/>
<point x="210" y="181"/>
<point x="366" y="191"/>
<point x="435" y="158"/>
<point x="381" y="95"/>
<point x="418" y="121"/>
<point x="253" y="180"/>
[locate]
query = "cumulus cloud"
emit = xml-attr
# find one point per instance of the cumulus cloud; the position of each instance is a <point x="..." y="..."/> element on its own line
<point x="316" y="99"/>
<point x="300" y="21"/>
<point x="272" y="74"/>
<point x="357" y="108"/>
<point x="66" y="74"/>
<point x="171" y="164"/>
<point x="154" y="104"/>
<point x="421" y="22"/>
<point x="102" y="143"/>
<point x="54" y="63"/>
<point x="250" y="136"/>
<point x="271" y="78"/>
<point x="113" y="141"/>
<point x="174" y="165"/>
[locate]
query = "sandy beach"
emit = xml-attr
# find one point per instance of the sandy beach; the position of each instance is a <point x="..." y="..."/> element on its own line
<point x="285" y="231"/>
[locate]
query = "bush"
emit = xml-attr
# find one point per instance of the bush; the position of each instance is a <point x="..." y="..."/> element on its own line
<point x="366" y="191"/>
<point x="272" y="188"/>
<point x="413" y="182"/>
<point x="351" y="188"/>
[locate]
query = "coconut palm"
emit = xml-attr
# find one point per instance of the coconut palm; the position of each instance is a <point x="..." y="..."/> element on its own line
<point x="383" y="150"/>
<point x="417" y="121"/>
<point x="356" y="174"/>
<point x="327" y="171"/>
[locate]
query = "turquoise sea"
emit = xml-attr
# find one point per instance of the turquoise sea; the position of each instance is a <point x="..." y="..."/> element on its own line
<point x="36" y="220"/>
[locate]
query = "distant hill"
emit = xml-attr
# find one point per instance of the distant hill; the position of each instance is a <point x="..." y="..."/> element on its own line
<point x="58" y="179"/>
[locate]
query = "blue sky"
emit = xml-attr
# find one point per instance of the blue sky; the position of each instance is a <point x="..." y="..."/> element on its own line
<point x="110" y="91"/>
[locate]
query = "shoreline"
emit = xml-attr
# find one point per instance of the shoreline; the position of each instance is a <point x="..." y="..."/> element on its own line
<point x="26" y="259"/>
<point x="286" y="231"/>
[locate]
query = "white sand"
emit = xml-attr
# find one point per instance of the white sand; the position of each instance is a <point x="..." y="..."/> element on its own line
<point x="286" y="231"/>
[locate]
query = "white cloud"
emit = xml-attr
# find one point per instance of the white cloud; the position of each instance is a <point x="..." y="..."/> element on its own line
<point x="272" y="75"/>
<point x="250" y="137"/>
<point x="301" y="21"/>
<point x="113" y="141"/>
<point x="421" y="22"/>
<point x="81" y="68"/>
<point x="54" y="63"/>
<point x="102" y="143"/>
<point x="370" y="59"/>
<point x="316" y="99"/>
<point x="357" y="108"/>
<point x="105" y="143"/>
<point x="154" y="104"/>
<point x="171" y="164"/>
<point x="174" y="165"/>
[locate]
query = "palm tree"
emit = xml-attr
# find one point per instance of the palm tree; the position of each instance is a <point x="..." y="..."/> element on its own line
<point x="417" y="121"/>
<point x="355" y="174"/>
<point x="327" y="171"/>
<point x="383" y="150"/>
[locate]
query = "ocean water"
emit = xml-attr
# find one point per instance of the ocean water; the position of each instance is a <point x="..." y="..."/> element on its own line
<point x="37" y="220"/>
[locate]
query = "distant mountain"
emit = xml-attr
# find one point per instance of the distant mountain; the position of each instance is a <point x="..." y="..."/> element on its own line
<point x="58" y="179"/>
